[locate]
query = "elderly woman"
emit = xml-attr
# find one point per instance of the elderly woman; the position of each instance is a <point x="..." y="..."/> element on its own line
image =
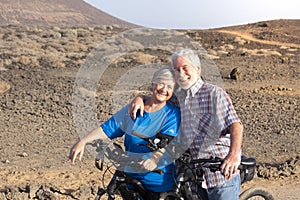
<point x="160" y="116"/>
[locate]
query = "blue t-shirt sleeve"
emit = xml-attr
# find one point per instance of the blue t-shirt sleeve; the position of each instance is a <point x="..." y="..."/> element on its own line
<point x="116" y="125"/>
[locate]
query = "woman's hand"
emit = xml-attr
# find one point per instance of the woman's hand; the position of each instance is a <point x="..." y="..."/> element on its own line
<point x="149" y="164"/>
<point x="77" y="150"/>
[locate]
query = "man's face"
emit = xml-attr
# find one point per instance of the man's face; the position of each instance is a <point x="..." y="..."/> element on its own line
<point x="186" y="75"/>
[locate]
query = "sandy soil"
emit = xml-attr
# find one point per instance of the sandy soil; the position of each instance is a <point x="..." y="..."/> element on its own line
<point x="37" y="89"/>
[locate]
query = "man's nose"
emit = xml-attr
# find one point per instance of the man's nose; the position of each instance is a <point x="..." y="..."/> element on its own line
<point x="181" y="71"/>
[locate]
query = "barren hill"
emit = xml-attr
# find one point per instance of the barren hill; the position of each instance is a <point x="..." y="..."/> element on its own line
<point x="55" y="12"/>
<point x="39" y="73"/>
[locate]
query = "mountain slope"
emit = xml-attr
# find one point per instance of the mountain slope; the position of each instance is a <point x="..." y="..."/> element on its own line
<point x="55" y="12"/>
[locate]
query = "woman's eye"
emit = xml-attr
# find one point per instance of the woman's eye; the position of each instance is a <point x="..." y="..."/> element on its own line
<point x="170" y="87"/>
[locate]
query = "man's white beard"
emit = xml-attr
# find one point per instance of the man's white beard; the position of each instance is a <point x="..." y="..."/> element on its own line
<point x="184" y="86"/>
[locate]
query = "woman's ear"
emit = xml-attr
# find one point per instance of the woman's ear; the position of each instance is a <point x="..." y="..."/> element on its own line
<point x="151" y="88"/>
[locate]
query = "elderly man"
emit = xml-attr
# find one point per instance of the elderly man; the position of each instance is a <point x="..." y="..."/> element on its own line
<point x="209" y="124"/>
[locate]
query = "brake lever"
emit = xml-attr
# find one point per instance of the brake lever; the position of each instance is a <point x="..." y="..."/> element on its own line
<point x="99" y="164"/>
<point x="151" y="143"/>
<point x="152" y="147"/>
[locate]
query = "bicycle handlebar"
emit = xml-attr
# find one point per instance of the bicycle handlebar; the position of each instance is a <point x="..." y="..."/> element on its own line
<point x="119" y="159"/>
<point x="214" y="162"/>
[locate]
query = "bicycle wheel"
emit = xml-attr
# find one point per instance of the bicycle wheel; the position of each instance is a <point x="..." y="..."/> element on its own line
<point x="256" y="193"/>
<point x="169" y="196"/>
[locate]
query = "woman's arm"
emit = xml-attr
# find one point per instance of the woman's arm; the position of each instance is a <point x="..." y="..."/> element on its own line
<point x="78" y="148"/>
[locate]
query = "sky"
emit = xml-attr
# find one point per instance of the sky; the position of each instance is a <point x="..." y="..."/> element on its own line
<point x="198" y="14"/>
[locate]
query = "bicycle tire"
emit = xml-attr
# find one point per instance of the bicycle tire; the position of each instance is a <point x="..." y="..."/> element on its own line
<point x="125" y="193"/>
<point x="256" y="191"/>
<point x="169" y="196"/>
<point x="176" y="196"/>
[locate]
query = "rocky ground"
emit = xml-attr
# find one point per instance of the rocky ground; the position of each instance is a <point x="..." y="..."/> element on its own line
<point x="38" y="84"/>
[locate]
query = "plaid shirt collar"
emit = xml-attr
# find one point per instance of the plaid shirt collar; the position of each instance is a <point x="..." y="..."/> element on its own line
<point x="195" y="88"/>
<point x="182" y="94"/>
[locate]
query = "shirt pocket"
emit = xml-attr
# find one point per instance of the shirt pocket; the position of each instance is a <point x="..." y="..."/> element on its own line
<point x="203" y="122"/>
<point x="209" y="125"/>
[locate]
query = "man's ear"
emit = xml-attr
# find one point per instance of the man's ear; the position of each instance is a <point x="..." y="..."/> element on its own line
<point x="199" y="71"/>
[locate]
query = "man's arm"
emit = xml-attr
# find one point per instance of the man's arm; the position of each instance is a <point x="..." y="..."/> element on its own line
<point x="233" y="159"/>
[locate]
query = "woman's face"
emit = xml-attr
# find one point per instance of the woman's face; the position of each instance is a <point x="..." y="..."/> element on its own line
<point x="162" y="91"/>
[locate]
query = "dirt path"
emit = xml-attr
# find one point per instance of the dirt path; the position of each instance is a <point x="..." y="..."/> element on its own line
<point x="250" y="37"/>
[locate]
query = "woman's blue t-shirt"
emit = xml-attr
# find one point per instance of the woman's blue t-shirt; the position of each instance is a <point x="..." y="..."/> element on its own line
<point x="165" y="121"/>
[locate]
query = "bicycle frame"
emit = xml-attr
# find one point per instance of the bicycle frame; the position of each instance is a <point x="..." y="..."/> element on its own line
<point x="188" y="174"/>
<point x="129" y="188"/>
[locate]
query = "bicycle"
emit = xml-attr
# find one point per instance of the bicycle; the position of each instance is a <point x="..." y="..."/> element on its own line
<point x="188" y="171"/>
<point x="121" y="180"/>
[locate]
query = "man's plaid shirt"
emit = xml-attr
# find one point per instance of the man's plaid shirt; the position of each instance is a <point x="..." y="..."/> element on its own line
<point x="206" y="115"/>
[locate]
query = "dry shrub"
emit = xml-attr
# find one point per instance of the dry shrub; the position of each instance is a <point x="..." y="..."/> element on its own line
<point x="25" y="60"/>
<point x="73" y="47"/>
<point x="4" y="86"/>
<point x="143" y="58"/>
<point x="259" y="52"/>
<point x="75" y="56"/>
<point x="51" y="60"/>
<point x="71" y="33"/>
<point x="51" y="34"/>
<point x="35" y="62"/>
<point x="6" y="62"/>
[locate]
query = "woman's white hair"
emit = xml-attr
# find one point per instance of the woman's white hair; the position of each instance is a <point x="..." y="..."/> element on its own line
<point x="188" y="55"/>
<point x="165" y="74"/>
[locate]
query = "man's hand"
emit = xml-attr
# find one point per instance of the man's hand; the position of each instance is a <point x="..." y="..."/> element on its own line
<point x="136" y="104"/>
<point x="233" y="159"/>
<point x="230" y="165"/>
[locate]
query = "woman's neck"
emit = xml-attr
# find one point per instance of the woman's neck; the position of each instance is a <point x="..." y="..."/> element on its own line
<point x="153" y="106"/>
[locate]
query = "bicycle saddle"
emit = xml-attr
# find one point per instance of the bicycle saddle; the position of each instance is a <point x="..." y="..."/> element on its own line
<point x="248" y="161"/>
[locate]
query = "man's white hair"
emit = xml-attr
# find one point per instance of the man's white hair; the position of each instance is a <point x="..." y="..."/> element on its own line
<point x="188" y="55"/>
